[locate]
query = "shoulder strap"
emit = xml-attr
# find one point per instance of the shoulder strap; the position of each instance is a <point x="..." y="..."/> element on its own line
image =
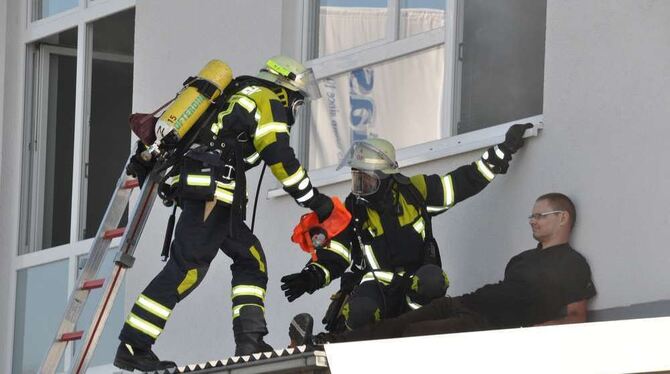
<point x="356" y="240"/>
<point x="413" y="194"/>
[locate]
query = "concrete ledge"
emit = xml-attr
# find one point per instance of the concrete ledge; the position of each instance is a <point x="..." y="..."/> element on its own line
<point x="660" y="308"/>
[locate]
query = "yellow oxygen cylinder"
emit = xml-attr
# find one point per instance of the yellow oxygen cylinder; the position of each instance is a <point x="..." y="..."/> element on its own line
<point x="191" y="103"/>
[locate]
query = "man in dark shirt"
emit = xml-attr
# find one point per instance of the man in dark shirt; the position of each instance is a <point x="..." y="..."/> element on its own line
<point x="546" y="285"/>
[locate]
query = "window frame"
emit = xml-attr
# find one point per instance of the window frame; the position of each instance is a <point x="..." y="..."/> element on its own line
<point x="37" y="168"/>
<point x="451" y="37"/>
<point x="391" y="47"/>
<point x="80" y="18"/>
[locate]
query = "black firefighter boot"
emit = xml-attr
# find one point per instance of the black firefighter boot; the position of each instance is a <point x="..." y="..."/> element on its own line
<point x="249" y="329"/>
<point x="131" y="358"/>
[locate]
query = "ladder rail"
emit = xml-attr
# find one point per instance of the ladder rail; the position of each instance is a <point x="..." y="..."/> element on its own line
<point x="128" y="245"/>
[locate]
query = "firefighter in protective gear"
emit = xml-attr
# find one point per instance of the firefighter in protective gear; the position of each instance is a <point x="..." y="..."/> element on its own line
<point x="252" y="125"/>
<point x="389" y="245"/>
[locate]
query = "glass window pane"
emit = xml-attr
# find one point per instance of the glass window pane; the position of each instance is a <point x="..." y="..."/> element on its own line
<point x="417" y="16"/>
<point x="111" y="104"/>
<point x="58" y="159"/>
<point x="46" y="8"/>
<point x="345" y="24"/>
<point x="41" y="297"/>
<point x="503" y="62"/>
<point x="47" y="199"/>
<point x="109" y="340"/>
<point x="399" y="100"/>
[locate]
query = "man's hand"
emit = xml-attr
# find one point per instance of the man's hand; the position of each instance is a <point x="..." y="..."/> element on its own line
<point x="514" y="138"/>
<point x="322" y="205"/>
<point x="137" y="166"/>
<point x="308" y="280"/>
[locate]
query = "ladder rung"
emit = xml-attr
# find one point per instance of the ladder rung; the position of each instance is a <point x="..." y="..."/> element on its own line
<point x="131" y="183"/>
<point x="94" y="283"/>
<point x="69" y="336"/>
<point x="110" y="234"/>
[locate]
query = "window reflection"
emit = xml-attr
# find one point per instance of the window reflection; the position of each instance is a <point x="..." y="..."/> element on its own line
<point x="41" y="296"/>
<point x="47" y="8"/>
<point x="399" y="100"/>
<point x="345" y="24"/>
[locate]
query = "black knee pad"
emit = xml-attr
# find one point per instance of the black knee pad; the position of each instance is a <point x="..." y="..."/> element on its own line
<point x="360" y="311"/>
<point x="428" y="283"/>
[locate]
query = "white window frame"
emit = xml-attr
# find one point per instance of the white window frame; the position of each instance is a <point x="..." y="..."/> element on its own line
<point x="79" y="17"/>
<point x="38" y="170"/>
<point x="391" y="47"/>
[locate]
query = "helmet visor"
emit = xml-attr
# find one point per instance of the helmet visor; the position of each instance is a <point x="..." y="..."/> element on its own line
<point x="365" y="156"/>
<point x="308" y="85"/>
<point x="364" y="183"/>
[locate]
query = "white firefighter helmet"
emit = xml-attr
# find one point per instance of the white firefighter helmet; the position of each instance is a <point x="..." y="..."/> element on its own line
<point x="371" y="155"/>
<point x="371" y="160"/>
<point x="291" y="74"/>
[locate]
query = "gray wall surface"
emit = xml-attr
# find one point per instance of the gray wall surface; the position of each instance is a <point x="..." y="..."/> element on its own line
<point x="9" y="170"/>
<point x="3" y="45"/>
<point x="607" y="107"/>
<point x="5" y="272"/>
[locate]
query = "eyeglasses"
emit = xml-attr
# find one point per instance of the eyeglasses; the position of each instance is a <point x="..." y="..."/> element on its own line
<point x="537" y="216"/>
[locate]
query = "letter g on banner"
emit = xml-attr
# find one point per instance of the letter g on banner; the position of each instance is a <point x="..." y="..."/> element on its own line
<point x="361" y="84"/>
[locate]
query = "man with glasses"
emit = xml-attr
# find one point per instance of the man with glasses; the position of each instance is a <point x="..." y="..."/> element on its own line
<point x="546" y="285"/>
<point x="389" y="246"/>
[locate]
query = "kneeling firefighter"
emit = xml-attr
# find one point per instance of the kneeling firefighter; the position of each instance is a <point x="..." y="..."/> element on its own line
<point x="251" y="124"/>
<point x="389" y="244"/>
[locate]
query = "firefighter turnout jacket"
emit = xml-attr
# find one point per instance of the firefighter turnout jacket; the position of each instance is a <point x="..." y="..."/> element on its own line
<point x="383" y="244"/>
<point x="251" y="126"/>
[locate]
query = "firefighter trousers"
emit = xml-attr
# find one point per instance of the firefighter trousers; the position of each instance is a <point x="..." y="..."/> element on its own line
<point x="376" y="298"/>
<point x="197" y="241"/>
<point x="442" y="316"/>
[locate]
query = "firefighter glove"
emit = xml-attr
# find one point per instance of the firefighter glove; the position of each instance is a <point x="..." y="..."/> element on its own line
<point x="308" y="280"/>
<point x="514" y="137"/>
<point x="322" y="205"/>
<point x="137" y="166"/>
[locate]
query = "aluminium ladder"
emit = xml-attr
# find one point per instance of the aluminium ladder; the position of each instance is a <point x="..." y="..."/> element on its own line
<point x="87" y="281"/>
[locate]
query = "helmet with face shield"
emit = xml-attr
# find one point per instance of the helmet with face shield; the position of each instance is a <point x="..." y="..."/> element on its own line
<point x="292" y="75"/>
<point x="371" y="162"/>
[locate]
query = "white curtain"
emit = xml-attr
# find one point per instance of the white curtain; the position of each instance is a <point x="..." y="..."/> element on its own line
<point x="399" y="100"/>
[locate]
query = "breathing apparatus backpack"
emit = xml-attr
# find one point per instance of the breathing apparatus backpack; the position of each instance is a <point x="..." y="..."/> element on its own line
<point x="164" y="134"/>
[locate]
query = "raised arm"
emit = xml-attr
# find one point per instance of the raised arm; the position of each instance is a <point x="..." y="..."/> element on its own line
<point x="441" y="193"/>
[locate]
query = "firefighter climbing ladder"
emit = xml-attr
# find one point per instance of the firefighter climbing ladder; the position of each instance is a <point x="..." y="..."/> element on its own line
<point x="87" y="280"/>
